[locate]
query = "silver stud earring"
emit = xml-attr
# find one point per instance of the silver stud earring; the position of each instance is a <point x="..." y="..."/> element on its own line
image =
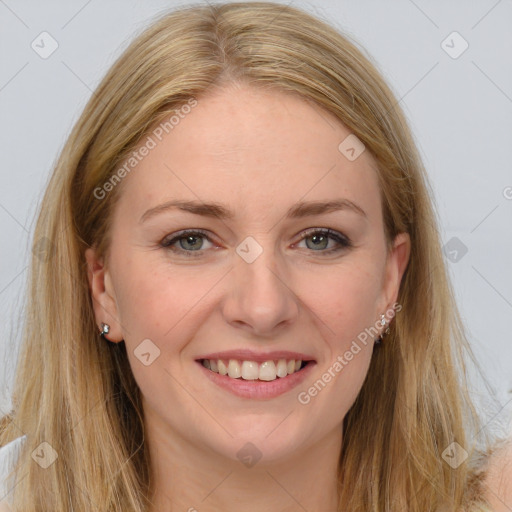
<point x="386" y="331"/>
<point x="105" y="328"/>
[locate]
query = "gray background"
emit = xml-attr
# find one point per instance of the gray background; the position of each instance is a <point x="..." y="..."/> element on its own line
<point x="459" y="108"/>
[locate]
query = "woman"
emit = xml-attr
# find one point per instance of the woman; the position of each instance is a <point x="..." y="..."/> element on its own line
<point x="191" y="344"/>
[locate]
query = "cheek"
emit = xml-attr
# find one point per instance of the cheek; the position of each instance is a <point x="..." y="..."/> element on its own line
<point x="338" y="382"/>
<point x="159" y="301"/>
<point x="350" y="379"/>
<point x="349" y="311"/>
<point x="165" y="307"/>
<point x="345" y="300"/>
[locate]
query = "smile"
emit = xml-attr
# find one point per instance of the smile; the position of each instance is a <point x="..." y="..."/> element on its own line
<point x="251" y="370"/>
<point x="261" y="380"/>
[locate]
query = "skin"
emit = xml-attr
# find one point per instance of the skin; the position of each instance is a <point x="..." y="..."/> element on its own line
<point x="498" y="480"/>
<point x="258" y="153"/>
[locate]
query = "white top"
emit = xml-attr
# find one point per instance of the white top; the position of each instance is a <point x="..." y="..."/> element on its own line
<point x="8" y="457"/>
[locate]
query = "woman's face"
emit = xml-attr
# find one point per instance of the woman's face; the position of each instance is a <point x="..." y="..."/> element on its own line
<point x="257" y="285"/>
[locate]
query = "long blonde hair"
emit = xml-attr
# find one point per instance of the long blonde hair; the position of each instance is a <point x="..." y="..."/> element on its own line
<point x="77" y="392"/>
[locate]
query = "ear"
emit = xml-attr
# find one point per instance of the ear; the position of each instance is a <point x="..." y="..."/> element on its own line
<point x="396" y="264"/>
<point x="103" y="296"/>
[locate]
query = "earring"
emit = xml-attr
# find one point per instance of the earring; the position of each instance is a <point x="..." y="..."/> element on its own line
<point x="378" y="341"/>
<point x="105" y="328"/>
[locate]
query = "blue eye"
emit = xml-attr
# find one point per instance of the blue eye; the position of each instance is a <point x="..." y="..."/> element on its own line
<point x="189" y="241"/>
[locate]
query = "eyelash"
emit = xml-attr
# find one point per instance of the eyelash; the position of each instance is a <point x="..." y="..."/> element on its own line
<point x="343" y="241"/>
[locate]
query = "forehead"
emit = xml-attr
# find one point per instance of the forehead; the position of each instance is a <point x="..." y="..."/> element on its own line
<point x="258" y="150"/>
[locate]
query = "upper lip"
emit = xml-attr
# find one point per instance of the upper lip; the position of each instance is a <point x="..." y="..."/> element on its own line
<point x="258" y="357"/>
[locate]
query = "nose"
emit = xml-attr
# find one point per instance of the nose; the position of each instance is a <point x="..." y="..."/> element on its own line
<point x="261" y="298"/>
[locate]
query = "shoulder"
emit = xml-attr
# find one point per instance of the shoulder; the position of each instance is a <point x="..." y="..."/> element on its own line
<point x="9" y="454"/>
<point x="498" y="482"/>
<point x="8" y="457"/>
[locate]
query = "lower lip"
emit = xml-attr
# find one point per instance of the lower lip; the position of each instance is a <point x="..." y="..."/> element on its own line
<point x="258" y="389"/>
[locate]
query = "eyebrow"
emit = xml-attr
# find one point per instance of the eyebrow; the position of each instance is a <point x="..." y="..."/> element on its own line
<point x="219" y="211"/>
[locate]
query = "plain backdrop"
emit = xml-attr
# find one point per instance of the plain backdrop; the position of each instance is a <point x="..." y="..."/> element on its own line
<point x="449" y="64"/>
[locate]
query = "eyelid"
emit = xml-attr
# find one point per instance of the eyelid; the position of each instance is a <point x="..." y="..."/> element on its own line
<point x="328" y="232"/>
<point x="168" y="240"/>
<point x="343" y="242"/>
<point x="341" y="239"/>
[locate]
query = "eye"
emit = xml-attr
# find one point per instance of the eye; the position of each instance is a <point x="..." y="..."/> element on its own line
<point x="189" y="242"/>
<point x="320" y="240"/>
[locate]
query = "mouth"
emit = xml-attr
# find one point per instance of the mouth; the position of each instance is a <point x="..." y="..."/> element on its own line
<point x="266" y="371"/>
<point x="263" y="379"/>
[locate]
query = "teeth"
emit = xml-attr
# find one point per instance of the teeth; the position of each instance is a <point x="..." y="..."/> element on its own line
<point x="251" y="370"/>
<point x="268" y="371"/>
<point x="282" y="368"/>
<point x="234" y="370"/>
<point x="223" y="369"/>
